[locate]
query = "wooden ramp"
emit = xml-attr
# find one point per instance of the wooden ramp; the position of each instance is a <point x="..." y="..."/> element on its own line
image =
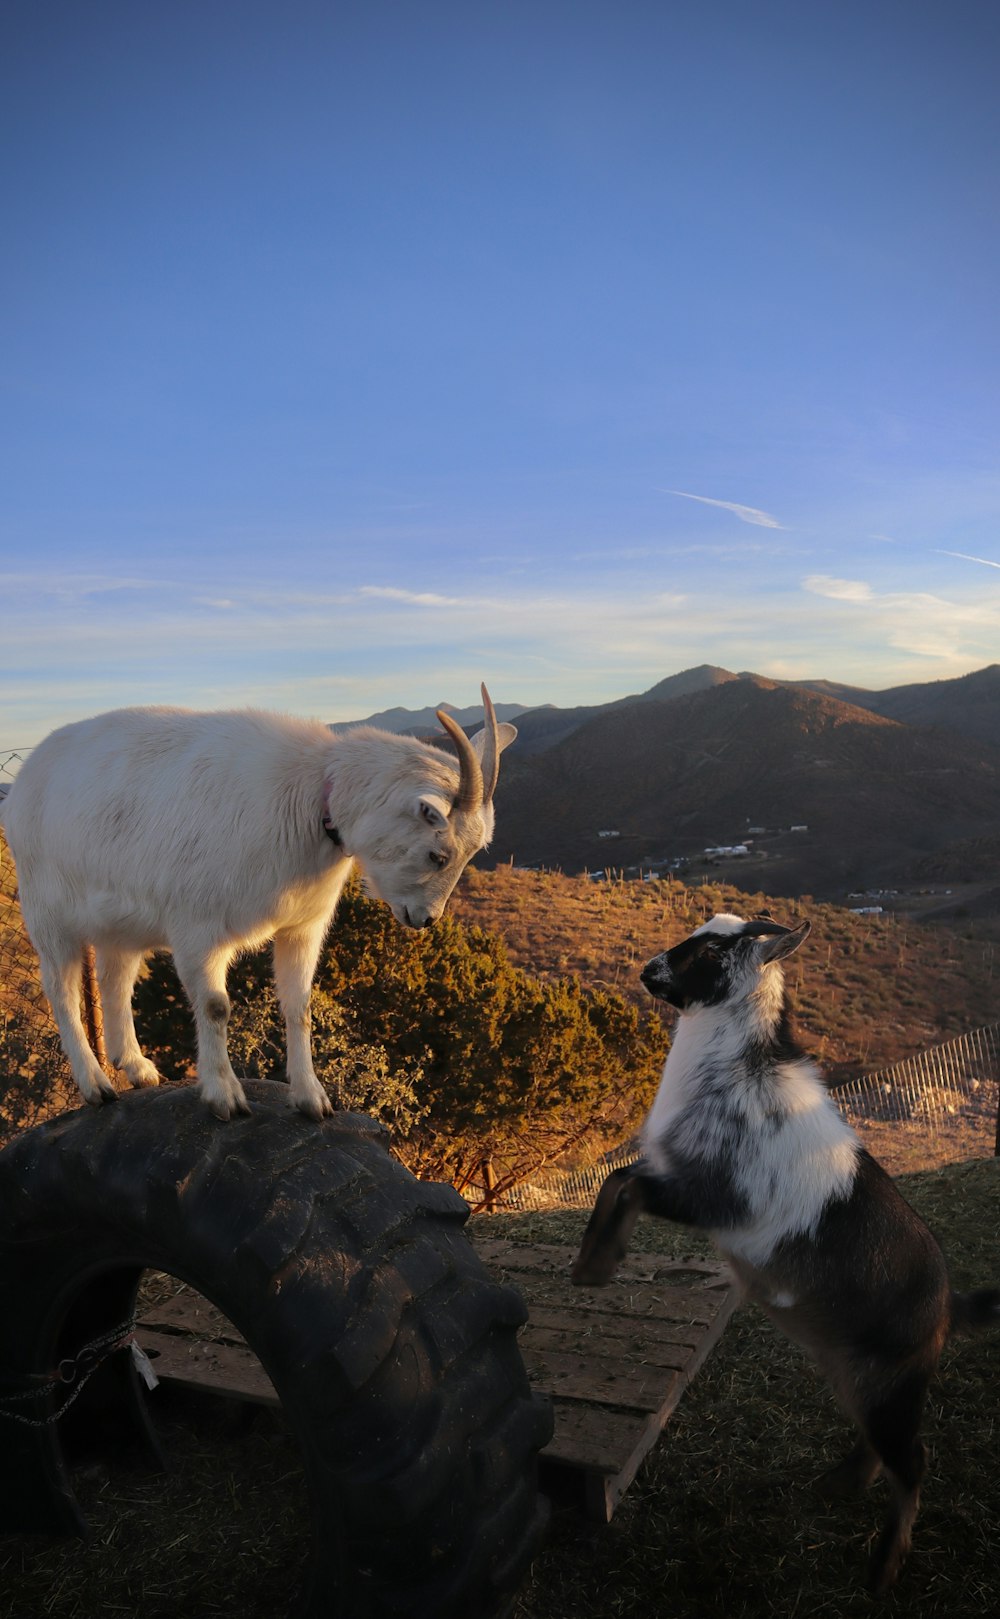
<point x="614" y="1360"/>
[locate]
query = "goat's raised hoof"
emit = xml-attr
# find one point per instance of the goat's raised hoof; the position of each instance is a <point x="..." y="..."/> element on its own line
<point x="595" y="1272"/>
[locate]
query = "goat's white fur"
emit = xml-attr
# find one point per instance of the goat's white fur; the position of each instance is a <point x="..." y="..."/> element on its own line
<point x="204" y="833"/>
<point x="791" y="1174"/>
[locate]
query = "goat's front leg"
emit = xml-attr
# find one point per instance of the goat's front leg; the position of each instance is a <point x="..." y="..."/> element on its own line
<point x="625" y="1195"/>
<point x="203" y="974"/>
<point x="296" y="952"/>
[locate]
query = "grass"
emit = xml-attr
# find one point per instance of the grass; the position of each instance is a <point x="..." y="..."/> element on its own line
<point x="721" y="1520"/>
<point x="867" y="990"/>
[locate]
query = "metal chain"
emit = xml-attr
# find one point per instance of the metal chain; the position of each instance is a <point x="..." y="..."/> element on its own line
<point x="78" y="1369"/>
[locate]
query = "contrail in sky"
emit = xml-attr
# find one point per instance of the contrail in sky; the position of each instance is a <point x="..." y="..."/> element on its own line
<point x="746" y="514"/>
<point x="964" y="557"/>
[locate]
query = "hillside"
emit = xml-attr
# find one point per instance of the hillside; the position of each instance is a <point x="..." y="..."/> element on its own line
<point x="672" y="777"/>
<point x="541" y="728"/>
<point x="868" y="989"/>
<point x="969" y="705"/>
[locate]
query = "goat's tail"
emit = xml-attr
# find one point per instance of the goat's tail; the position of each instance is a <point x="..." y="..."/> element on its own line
<point x="971" y="1311"/>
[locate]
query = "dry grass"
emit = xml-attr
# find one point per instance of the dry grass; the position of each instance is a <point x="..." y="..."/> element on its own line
<point x="868" y="990"/>
<point x="721" y="1519"/>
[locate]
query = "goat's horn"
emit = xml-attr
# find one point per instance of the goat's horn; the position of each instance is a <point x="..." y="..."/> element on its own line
<point x="491" y="748"/>
<point x="761" y="925"/>
<point x="470" y="785"/>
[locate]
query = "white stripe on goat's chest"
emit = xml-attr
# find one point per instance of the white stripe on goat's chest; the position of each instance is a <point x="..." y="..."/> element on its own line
<point x="793" y="1151"/>
<point x="700" y="1041"/>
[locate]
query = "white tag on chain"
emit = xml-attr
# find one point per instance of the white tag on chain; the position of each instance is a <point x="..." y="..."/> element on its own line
<point x="144" y="1366"/>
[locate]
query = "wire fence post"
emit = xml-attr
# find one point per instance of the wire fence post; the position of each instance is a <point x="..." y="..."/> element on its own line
<point x="93" y="1012"/>
<point x="489" y="1187"/>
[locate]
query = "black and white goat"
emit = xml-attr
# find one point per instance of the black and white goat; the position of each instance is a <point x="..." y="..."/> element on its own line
<point x="744" y="1141"/>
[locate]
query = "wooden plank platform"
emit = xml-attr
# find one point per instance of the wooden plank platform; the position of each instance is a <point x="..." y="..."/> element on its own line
<point x="614" y="1360"/>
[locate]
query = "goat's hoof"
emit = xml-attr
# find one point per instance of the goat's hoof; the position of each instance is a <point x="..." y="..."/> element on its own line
<point x="882" y="1576"/>
<point x="887" y="1560"/>
<point x="142" y="1079"/>
<point x="102" y="1093"/>
<point x="226" y="1109"/>
<point x="314" y="1107"/>
<point x="591" y="1275"/>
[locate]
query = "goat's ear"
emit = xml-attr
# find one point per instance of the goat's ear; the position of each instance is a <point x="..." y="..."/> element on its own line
<point x="433" y="809"/>
<point x="505" y="736"/>
<point x="776" y="946"/>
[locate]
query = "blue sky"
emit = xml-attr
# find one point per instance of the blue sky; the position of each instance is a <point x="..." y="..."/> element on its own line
<point x="352" y="351"/>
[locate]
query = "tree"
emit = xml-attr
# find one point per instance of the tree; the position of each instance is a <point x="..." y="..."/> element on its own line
<point x="468" y="1058"/>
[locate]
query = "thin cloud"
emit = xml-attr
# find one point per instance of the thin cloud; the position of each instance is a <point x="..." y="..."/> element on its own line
<point x="964" y="557"/>
<point x="65" y="586"/>
<point x="847" y="590"/>
<point x="746" y="514"/>
<point x="414" y="598"/>
<point x="584" y="640"/>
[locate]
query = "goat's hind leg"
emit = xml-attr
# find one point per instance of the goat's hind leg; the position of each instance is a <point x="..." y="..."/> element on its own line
<point x="892" y="1428"/>
<point x="62" y="981"/>
<point x="117" y="971"/>
<point x="859" y="1468"/>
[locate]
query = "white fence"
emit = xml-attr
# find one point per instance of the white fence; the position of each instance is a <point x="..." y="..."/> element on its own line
<point x="954" y="1080"/>
<point x="937" y="1107"/>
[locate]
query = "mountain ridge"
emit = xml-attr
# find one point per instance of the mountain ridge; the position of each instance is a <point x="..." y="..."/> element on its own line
<point x="669" y="779"/>
<point x="969" y="704"/>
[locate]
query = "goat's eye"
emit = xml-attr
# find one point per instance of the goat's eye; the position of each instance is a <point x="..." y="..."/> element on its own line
<point x="438" y="859"/>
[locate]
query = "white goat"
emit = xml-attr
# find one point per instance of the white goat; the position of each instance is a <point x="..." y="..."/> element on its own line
<point x="744" y="1140"/>
<point x="208" y="834"/>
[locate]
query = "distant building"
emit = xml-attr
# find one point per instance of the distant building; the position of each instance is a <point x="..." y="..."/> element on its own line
<point x="610" y="832"/>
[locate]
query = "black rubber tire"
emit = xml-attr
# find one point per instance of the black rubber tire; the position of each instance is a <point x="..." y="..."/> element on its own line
<point x="391" y="1347"/>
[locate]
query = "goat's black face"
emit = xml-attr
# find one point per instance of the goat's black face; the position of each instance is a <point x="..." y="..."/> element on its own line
<point x="722" y="961"/>
<point x="691" y="974"/>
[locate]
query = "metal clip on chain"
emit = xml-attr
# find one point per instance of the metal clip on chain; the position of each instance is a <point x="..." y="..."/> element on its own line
<point x="75" y="1369"/>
